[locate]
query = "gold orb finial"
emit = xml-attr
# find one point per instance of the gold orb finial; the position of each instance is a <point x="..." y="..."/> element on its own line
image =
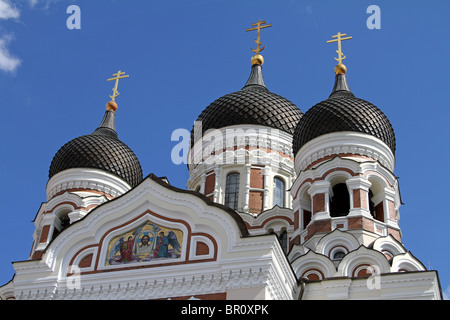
<point x="112" y="105"/>
<point x="340" y="69"/>
<point x="257" y="59"/>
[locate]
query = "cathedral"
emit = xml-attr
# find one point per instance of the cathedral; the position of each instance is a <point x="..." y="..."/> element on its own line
<point x="279" y="205"/>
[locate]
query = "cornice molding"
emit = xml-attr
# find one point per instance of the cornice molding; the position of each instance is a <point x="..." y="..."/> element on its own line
<point x="344" y="143"/>
<point x="88" y="179"/>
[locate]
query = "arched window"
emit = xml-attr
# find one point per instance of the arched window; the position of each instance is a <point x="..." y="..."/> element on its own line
<point x="63" y="216"/>
<point x="338" y="255"/>
<point x="340" y="202"/>
<point x="232" y="190"/>
<point x="376" y="211"/>
<point x="278" y="192"/>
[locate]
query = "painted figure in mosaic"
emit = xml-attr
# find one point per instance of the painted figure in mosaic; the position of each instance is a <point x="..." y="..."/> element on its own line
<point x="126" y="251"/>
<point x="162" y="246"/>
<point x="116" y="247"/>
<point x="145" y="246"/>
<point x="172" y="237"/>
<point x="145" y="243"/>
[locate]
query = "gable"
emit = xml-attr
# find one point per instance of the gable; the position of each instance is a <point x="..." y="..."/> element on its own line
<point x="152" y="225"/>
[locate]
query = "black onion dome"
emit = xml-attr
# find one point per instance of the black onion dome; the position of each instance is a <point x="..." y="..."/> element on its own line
<point x="101" y="149"/>
<point x="342" y="111"/>
<point x="253" y="104"/>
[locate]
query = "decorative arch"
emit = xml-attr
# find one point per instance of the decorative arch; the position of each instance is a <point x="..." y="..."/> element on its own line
<point x="275" y="218"/>
<point x="336" y="239"/>
<point x="313" y="263"/>
<point x="338" y="176"/>
<point x="313" y="274"/>
<point x="83" y="260"/>
<point x="296" y="251"/>
<point x="329" y="171"/>
<point x="406" y="262"/>
<point x="277" y="225"/>
<point x="388" y="245"/>
<point x="357" y="261"/>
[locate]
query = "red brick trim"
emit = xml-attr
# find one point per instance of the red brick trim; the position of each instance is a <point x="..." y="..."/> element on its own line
<point x="314" y="275"/>
<point x="84" y="189"/>
<point x="362" y="272"/>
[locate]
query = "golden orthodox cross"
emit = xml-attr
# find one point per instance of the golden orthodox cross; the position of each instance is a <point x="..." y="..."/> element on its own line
<point x="117" y="76"/>
<point x="339" y="50"/>
<point x="259" y="26"/>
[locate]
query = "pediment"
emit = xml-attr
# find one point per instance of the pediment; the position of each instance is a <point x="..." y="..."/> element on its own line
<point x="151" y="225"/>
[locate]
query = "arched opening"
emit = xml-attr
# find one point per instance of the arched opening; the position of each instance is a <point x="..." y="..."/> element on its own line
<point x="232" y="190"/>
<point x="340" y="202"/>
<point x="63" y="216"/>
<point x="371" y="204"/>
<point x="306" y="218"/>
<point x="278" y="192"/>
<point x="376" y="193"/>
<point x="305" y="211"/>
<point x="338" y="255"/>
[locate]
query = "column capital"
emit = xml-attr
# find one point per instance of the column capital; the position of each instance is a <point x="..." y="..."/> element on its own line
<point x="358" y="183"/>
<point x="319" y="187"/>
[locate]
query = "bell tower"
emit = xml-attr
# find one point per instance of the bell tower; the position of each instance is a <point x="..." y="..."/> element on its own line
<point x="346" y="197"/>
<point x="345" y="158"/>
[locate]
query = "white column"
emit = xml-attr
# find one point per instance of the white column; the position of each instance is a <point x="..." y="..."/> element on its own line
<point x="53" y="222"/>
<point x="202" y="187"/>
<point x="359" y="183"/>
<point x="389" y="196"/>
<point x="216" y="184"/>
<point x="287" y="194"/>
<point x="320" y="187"/>
<point x="248" y="168"/>
<point x="267" y="180"/>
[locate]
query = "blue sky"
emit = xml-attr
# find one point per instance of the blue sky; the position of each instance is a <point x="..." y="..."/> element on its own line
<point x="182" y="55"/>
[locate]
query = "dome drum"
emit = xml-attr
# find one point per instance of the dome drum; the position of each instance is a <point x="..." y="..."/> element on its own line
<point x="347" y="144"/>
<point x="86" y="179"/>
